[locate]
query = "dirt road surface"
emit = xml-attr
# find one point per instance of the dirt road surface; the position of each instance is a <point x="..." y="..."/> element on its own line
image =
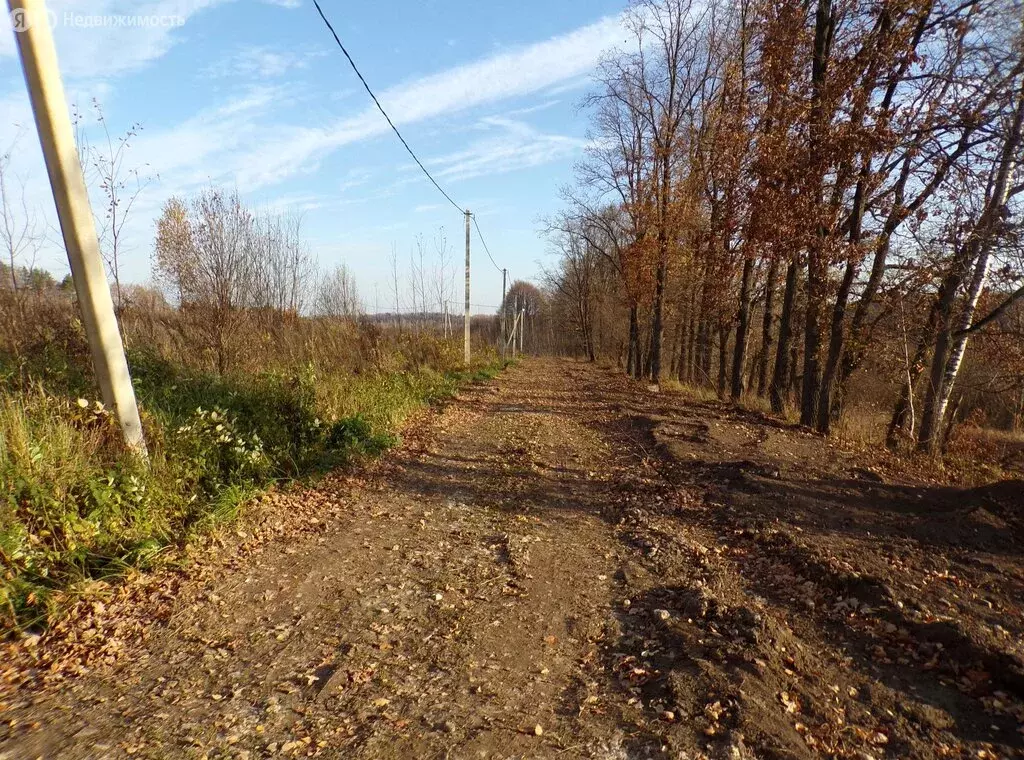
<point x="565" y="564"/>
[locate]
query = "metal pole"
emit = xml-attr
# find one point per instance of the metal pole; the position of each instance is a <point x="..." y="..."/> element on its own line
<point x="504" y="310"/>
<point x="49" y="106"/>
<point x="466" y="339"/>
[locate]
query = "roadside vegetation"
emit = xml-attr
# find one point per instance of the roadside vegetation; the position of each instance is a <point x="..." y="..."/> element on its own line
<point x="260" y="371"/>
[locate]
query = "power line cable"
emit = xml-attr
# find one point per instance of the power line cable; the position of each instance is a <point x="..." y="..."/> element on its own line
<point x="381" y="109"/>
<point x="488" y="250"/>
<point x="384" y="113"/>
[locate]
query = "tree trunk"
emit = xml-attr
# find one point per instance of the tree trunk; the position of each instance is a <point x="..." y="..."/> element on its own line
<point x="795" y="378"/>
<point x="853" y="350"/>
<point x="817" y="262"/>
<point x="742" y="328"/>
<point x="723" y="357"/>
<point x="657" y="323"/>
<point x="828" y="410"/>
<point x="676" y="352"/>
<point x="686" y="344"/>
<point x="586" y="328"/>
<point x="780" y="376"/>
<point x="690" y="367"/>
<point x="947" y="436"/>
<point x="904" y="404"/>
<point x="633" y="352"/>
<point x="817" y="273"/>
<point x="766" y="327"/>
<point x="945" y="301"/>
<point x="835" y="350"/>
<point x="705" y="351"/>
<point x="949" y="354"/>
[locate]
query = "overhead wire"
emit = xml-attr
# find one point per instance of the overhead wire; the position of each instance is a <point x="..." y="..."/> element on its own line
<point x="486" y="249"/>
<point x="420" y="310"/>
<point x="398" y="134"/>
<point x="381" y="108"/>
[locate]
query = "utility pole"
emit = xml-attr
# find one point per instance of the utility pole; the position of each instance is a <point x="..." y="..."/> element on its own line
<point x="49" y="106"/>
<point x="522" y="326"/>
<point x="512" y="338"/>
<point x="466" y="339"/>
<point x="504" y="310"/>
<point x="515" y="329"/>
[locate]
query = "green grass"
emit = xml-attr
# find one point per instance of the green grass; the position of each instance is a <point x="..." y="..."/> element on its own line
<point x="76" y="507"/>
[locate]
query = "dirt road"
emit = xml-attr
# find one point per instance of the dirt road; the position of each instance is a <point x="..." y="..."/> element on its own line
<point x="565" y="564"/>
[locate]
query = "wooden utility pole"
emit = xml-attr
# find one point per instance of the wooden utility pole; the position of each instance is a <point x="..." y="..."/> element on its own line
<point x="46" y="93"/>
<point x="466" y="338"/>
<point x="504" y="279"/>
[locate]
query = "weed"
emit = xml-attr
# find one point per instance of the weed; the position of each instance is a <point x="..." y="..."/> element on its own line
<point x="76" y="506"/>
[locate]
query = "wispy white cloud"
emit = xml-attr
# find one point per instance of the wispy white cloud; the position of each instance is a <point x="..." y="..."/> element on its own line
<point x="354" y="178"/>
<point x="521" y="71"/>
<point x="243" y="140"/>
<point x="534" y="108"/>
<point x="284" y="3"/>
<point x="575" y="83"/>
<point x="260" y="62"/>
<point x="510" y="146"/>
<point x="297" y="203"/>
<point x="182" y="158"/>
<point x="192" y="151"/>
<point x="503" y="76"/>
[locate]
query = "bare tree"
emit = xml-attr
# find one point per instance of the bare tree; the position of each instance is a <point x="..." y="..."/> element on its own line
<point x="121" y="186"/>
<point x="18" y="229"/>
<point x="282" y="266"/>
<point x="574" y="278"/>
<point x="443" y="284"/>
<point x="396" y="285"/>
<point x="336" y="294"/>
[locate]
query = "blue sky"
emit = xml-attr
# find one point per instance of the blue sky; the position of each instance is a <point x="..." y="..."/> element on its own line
<point x="254" y="94"/>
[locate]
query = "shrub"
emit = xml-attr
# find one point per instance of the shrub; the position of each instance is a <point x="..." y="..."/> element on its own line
<point x="356" y="434"/>
<point x="75" y="505"/>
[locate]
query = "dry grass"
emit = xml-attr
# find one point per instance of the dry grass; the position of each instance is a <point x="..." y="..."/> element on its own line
<point x="862" y="428"/>
<point x="695" y="393"/>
